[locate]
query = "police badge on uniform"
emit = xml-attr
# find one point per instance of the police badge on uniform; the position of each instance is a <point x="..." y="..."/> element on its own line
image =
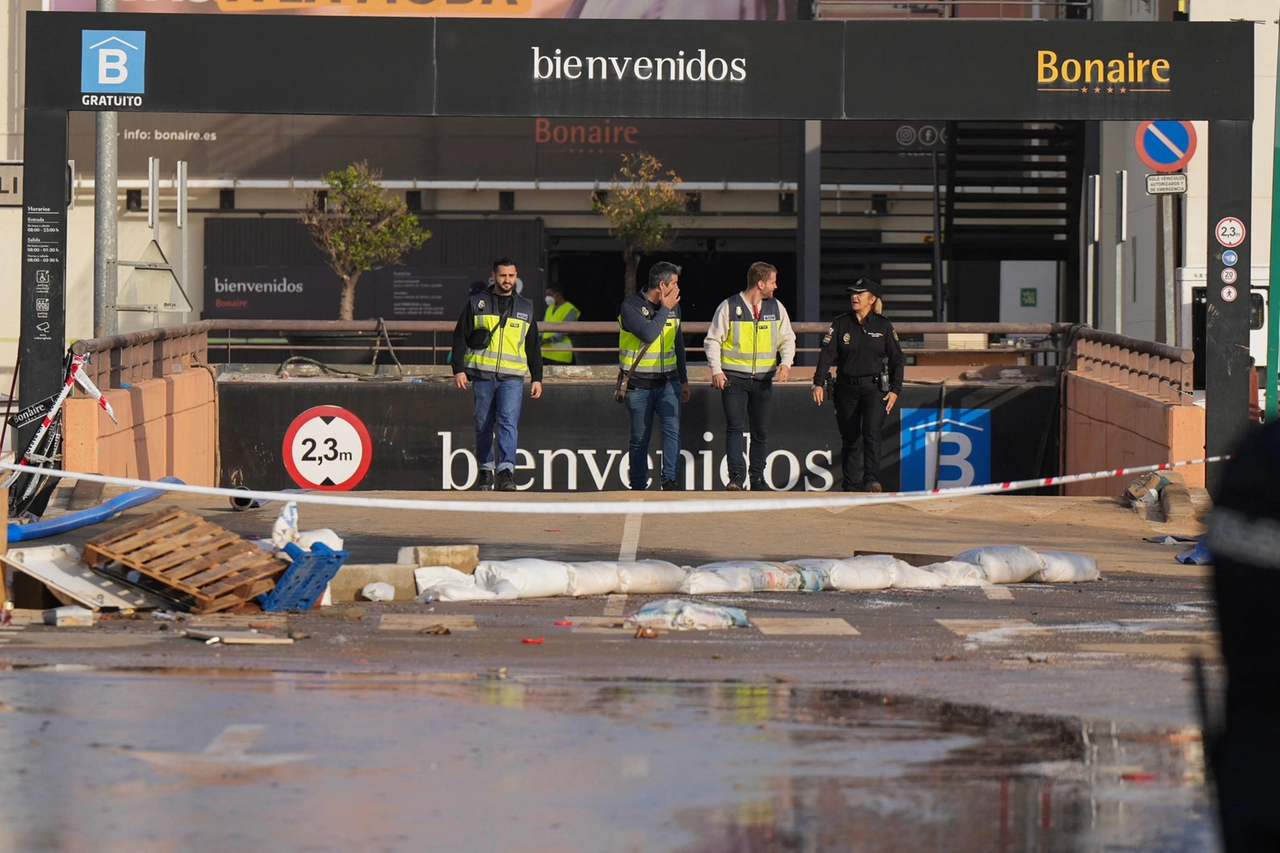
<point x="480" y="305"/>
<point x="846" y="337"/>
<point x="644" y="311"/>
<point x="738" y="310"/>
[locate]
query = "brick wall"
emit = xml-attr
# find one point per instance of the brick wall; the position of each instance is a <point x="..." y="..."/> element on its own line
<point x="1107" y="426"/>
<point x="166" y="429"/>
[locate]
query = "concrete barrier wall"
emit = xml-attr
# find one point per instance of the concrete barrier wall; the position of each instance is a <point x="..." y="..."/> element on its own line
<point x="1107" y="426"/>
<point x="167" y="428"/>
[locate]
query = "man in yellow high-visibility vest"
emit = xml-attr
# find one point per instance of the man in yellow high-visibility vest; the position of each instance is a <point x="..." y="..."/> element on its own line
<point x="651" y="348"/>
<point x="557" y="347"/>
<point x="749" y="342"/>
<point x="495" y="346"/>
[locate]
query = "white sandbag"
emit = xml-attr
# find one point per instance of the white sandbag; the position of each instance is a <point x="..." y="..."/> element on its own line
<point x="678" y="615"/>
<point x="526" y="578"/>
<point x="765" y="574"/>
<point x="593" y="578"/>
<point x="1066" y="567"/>
<point x="861" y="573"/>
<point x="957" y="573"/>
<point x="378" y="591"/>
<point x="815" y="574"/>
<point x="907" y="576"/>
<point x="1004" y="563"/>
<point x="702" y="581"/>
<point x="449" y="584"/>
<point x="307" y="538"/>
<point x="649" y="577"/>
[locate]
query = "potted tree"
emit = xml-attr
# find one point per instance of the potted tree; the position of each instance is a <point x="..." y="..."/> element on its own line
<point x="638" y="206"/>
<point x="358" y="227"/>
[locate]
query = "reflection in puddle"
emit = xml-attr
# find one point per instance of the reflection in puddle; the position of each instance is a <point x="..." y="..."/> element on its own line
<point x="452" y="763"/>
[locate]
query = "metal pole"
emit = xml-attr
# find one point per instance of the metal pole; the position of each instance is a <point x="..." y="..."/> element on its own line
<point x="182" y="225"/>
<point x="105" y="222"/>
<point x="1092" y="236"/>
<point x="938" y="307"/>
<point x="809" y="224"/>
<point x="1273" y="287"/>
<point x="1166" y="296"/>
<point x="1122" y="234"/>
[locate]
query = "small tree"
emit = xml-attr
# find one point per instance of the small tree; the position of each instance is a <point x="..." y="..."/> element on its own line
<point x="637" y="206"/>
<point x="358" y="227"/>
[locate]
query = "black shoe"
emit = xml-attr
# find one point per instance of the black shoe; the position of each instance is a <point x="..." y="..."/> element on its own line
<point x="873" y="486"/>
<point x="759" y="486"/>
<point x="670" y="486"/>
<point x="506" y="481"/>
<point x="735" y="483"/>
<point x="851" y="487"/>
<point x="484" y="480"/>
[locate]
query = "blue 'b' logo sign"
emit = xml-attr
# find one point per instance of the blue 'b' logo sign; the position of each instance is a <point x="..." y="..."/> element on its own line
<point x="957" y="451"/>
<point x="113" y="61"/>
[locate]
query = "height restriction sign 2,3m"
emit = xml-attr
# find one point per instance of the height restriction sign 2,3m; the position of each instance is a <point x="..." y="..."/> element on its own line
<point x="327" y="448"/>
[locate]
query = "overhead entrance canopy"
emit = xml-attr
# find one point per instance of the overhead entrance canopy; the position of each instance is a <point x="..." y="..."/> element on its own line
<point x="913" y="70"/>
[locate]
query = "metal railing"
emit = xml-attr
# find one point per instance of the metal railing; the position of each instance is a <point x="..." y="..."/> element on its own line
<point x="155" y="353"/>
<point x="1037" y="10"/>
<point x="1146" y="367"/>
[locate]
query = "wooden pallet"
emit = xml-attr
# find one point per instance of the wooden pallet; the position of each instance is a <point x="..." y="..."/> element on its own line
<point x="192" y="560"/>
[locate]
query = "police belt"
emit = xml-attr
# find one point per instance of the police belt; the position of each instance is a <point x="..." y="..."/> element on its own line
<point x="856" y="380"/>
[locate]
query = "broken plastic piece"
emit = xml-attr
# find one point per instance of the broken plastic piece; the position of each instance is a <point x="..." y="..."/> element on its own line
<point x="533" y="641"/>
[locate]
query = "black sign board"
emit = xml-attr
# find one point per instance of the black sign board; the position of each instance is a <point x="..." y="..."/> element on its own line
<point x="33" y="413"/>
<point x="989" y="70"/>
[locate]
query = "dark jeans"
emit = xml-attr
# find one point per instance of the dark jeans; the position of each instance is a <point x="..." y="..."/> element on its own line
<point x="860" y="415"/>
<point x="497" y="401"/>
<point x="747" y="402"/>
<point x="642" y="405"/>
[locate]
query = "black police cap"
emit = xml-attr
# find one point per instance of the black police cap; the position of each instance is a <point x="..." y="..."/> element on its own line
<point x="865" y="285"/>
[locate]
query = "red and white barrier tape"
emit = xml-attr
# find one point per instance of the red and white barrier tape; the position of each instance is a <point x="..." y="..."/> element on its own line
<point x="622" y="507"/>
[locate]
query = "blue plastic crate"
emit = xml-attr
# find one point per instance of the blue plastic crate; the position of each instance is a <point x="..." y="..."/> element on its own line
<point x="303" y="583"/>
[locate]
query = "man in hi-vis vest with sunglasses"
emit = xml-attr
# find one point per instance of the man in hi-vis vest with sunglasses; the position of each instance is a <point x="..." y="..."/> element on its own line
<point x="749" y="342"/>
<point x="495" y="344"/>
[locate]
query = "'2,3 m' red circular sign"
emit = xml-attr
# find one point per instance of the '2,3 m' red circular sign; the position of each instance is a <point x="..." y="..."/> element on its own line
<point x="327" y="448"/>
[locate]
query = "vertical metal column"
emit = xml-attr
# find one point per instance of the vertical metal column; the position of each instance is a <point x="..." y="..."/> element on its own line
<point x="1227" y="313"/>
<point x="1166" y="296"/>
<point x="44" y="257"/>
<point x="1122" y="236"/>
<point x="105" y="221"/>
<point x="809" y="222"/>
<point x="939" y="305"/>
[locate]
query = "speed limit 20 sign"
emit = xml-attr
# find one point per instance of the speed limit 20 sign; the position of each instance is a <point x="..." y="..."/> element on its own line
<point x="1230" y="232"/>
<point x="327" y="448"/>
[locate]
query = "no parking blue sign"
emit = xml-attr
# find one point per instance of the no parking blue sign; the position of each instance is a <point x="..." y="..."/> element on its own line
<point x="1165" y="146"/>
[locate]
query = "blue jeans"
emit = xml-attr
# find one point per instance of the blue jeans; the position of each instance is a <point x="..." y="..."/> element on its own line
<point x="497" y="400"/>
<point x="642" y="404"/>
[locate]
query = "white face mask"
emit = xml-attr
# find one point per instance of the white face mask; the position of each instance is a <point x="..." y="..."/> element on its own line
<point x="551" y="301"/>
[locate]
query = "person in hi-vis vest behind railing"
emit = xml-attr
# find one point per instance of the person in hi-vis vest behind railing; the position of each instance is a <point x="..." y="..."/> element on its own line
<point x="749" y="342"/>
<point x="557" y="347"/>
<point x="494" y="345"/>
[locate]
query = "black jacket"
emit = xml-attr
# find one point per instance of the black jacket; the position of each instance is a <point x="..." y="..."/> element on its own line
<point x="858" y="349"/>
<point x="532" y="339"/>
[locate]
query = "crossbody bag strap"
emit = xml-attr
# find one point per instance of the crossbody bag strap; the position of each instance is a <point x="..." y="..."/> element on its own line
<point x="644" y="349"/>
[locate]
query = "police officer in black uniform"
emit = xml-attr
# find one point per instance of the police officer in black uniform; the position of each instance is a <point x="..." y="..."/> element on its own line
<point x="1244" y="538"/>
<point x="866" y="388"/>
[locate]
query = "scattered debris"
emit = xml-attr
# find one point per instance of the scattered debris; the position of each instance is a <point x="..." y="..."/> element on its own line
<point x="306" y="579"/>
<point x="436" y="631"/>
<point x="58" y="567"/>
<point x="533" y="641"/>
<point x="182" y="557"/>
<point x="237" y="638"/>
<point x="646" y="633"/>
<point x="70" y="616"/>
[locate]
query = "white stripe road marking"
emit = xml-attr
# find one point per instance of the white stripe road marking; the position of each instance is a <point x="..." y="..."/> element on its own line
<point x="1155" y="131"/>
<point x="630" y="537"/>
<point x="998" y="593"/>
<point x="615" y="604"/>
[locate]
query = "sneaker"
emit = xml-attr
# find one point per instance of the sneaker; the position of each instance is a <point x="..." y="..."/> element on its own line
<point x="670" y="486"/>
<point x="735" y="485"/>
<point x="484" y="480"/>
<point x="873" y="486"/>
<point x="759" y="486"/>
<point x="506" y="481"/>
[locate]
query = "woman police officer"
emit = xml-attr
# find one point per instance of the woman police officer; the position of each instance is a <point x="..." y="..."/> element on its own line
<point x="858" y="345"/>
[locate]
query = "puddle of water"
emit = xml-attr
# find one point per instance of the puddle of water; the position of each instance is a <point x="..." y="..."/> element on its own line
<point x="303" y="761"/>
